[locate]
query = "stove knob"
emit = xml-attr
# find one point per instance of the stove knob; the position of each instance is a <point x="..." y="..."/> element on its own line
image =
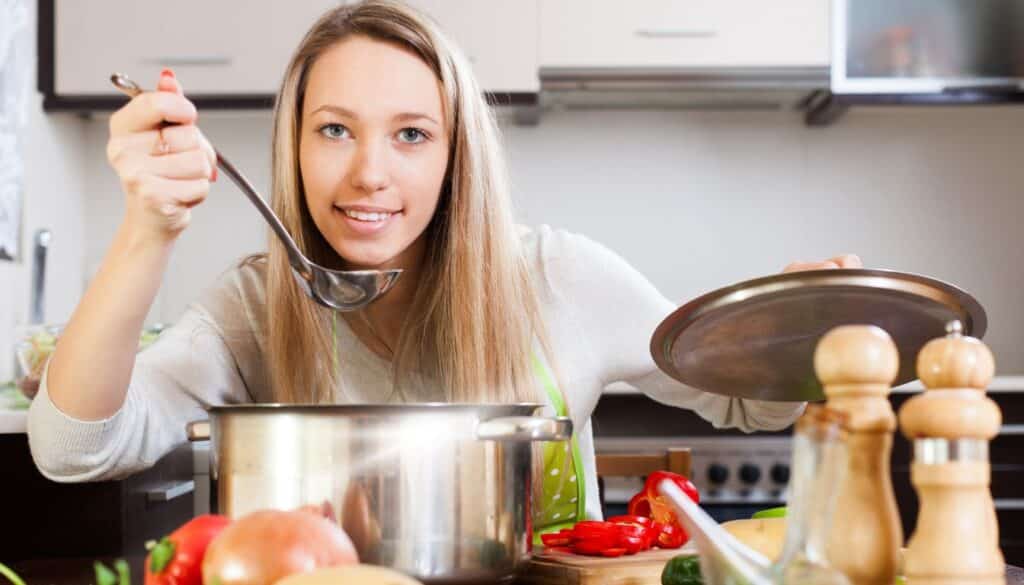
<point x="750" y="473"/>
<point x="718" y="474"/>
<point x="780" y="473"/>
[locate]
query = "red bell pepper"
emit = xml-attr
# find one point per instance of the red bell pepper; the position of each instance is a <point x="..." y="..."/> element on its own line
<point x="672" y="536"/>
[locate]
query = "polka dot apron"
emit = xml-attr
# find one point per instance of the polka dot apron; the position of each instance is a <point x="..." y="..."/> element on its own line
<point x="563" y="501"/>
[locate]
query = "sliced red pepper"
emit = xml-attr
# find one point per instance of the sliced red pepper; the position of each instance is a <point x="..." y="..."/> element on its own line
<point x="639" y="505"/>
<point x="672" y="536"/>
<point x="595" y="546"/>
<point x="556" y="539"/>
<point x="631" y="519"/>
<point x="594" y="529"/>
<point x="669" y="533"/>
<point x="638" y="526"/>
<point x="634" y="544"/>
<point x="651" y="485"/>
<point x="626" y="535"/>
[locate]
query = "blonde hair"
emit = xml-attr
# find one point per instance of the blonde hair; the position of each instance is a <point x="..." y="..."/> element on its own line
<point x="475" y="314"/>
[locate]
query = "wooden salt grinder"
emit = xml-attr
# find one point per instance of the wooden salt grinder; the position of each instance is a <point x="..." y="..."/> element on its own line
<point x="956" y="541"/>
<point x="857" y="365"/>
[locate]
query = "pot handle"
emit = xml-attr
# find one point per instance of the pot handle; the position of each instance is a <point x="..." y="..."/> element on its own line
<point x="525" y="428"/>
<point x="198" y="430"/>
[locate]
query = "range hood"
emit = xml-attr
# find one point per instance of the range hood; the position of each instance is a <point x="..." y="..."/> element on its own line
<point x="717" y="88"/>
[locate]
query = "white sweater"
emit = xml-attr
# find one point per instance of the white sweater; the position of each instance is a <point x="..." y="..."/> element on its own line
<point x="599" y="311"/>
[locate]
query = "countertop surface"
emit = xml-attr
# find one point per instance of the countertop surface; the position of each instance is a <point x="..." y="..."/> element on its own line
<point x="13" y="410"/>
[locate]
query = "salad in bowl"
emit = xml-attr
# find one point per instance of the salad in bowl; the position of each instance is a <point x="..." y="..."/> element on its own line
<point x="36" y="343"/>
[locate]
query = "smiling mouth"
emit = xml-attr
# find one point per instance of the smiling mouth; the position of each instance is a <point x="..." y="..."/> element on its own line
<point x="367" y="215"/>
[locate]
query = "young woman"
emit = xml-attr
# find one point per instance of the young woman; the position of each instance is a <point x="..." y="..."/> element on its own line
<point x="369" y="171"/>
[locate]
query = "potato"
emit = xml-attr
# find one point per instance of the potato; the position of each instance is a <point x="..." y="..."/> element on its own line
<point x="350" y="575"/>
<point x="765" y="535"/>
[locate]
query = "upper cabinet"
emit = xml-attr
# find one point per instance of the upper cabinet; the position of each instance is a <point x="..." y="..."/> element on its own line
<point x="499" y="37"/>
<point x="219" y="48"/>
<point x="232" y="53"/>
<point x="684" y="33"/>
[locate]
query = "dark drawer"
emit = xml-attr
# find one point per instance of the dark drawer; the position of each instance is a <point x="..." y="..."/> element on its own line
<point x="48" y="520"/>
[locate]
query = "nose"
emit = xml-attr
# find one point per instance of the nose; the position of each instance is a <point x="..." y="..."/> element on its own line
<point x="369" y="168"/>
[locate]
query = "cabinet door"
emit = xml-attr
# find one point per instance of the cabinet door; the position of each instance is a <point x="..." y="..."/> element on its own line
<point x="498" y="36"/>
<point x="684" y="33"/>
<point x="222" y="48"/>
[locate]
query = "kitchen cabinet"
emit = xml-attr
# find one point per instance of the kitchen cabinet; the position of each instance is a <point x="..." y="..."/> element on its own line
<point x="216" y="48"/>
<point x="499" y="38"/>
<point x="684" y="33"/>
<point x="232" y="54"/>
<point x="47" y="520"/>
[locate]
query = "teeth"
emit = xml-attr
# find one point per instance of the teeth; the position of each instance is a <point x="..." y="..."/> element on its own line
<point x="367" y="216"/>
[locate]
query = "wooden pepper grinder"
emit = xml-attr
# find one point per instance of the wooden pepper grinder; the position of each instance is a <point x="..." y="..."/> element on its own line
<point x="957" y="539"/>
<point x="857" y="365"/>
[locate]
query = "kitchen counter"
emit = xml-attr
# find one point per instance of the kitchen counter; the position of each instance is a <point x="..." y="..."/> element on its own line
<point x="13" y="416"/>
<point x="13" y="410"/>
<point x="1010" y="384"/>
<point x="80" y="572"/>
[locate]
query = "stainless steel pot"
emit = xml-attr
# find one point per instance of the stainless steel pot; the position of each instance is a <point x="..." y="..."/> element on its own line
<point x="439" y="491"/>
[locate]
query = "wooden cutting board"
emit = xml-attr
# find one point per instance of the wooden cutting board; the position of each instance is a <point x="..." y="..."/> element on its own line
<point x="644" y="568"/>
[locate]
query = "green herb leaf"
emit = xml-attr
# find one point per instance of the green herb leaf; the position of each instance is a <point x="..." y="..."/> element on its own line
<point x="123" y="572"/>
<point x="160" y="555"/>
<point x="104" y="576"/>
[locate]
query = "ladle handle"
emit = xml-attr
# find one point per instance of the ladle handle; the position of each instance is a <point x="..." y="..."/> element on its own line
<point x="295" y="257"/>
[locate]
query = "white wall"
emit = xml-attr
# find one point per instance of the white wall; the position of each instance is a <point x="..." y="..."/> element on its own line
<point x="698" y="200"/>
<point x="54" y="150"/>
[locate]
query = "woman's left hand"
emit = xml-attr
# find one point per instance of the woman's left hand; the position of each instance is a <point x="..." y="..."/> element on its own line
<point x="844" y="261"/>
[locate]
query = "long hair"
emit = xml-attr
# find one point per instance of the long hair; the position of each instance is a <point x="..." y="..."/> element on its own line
<point x="475" y="315"/>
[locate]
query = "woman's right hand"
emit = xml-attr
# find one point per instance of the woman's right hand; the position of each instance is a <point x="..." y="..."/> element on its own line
<point x="162" y="158"/>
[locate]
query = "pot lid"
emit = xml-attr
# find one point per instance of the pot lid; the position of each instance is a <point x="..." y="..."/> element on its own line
<point x="756" y="339"/>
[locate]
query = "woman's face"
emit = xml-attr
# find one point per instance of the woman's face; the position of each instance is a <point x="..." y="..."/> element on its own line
<point x="373" y="151"/>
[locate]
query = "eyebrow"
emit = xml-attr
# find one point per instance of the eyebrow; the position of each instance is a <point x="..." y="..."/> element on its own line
<point x="403" y="117"/>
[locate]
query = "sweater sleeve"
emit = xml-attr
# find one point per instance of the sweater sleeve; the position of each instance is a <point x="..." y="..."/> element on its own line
<point x="189" y="367"/>
<point x="621" y="309"/>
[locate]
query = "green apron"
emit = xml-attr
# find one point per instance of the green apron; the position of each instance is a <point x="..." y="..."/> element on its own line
<point x="563" y="502"/>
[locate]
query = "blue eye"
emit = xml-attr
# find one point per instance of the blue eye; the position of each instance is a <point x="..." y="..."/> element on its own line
<point x="333" y="131"/>
<point x="411" y="135"/>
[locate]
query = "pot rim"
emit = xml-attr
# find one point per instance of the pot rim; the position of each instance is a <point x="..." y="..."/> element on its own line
<point x="375" y="408"/>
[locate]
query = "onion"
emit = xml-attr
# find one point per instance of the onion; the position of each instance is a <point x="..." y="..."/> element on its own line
<point x="265" y="546"/>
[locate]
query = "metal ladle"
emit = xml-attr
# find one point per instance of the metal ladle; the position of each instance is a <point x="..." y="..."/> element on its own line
<point x="343" y="290"/>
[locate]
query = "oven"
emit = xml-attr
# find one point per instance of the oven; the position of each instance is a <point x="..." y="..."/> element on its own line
<point x="736" y="473"/>
<point x="736" y="476"/>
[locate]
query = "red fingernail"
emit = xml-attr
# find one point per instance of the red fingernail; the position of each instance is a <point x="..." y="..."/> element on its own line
<point x="167" y="73"/>
<point x="213" y="177"/>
